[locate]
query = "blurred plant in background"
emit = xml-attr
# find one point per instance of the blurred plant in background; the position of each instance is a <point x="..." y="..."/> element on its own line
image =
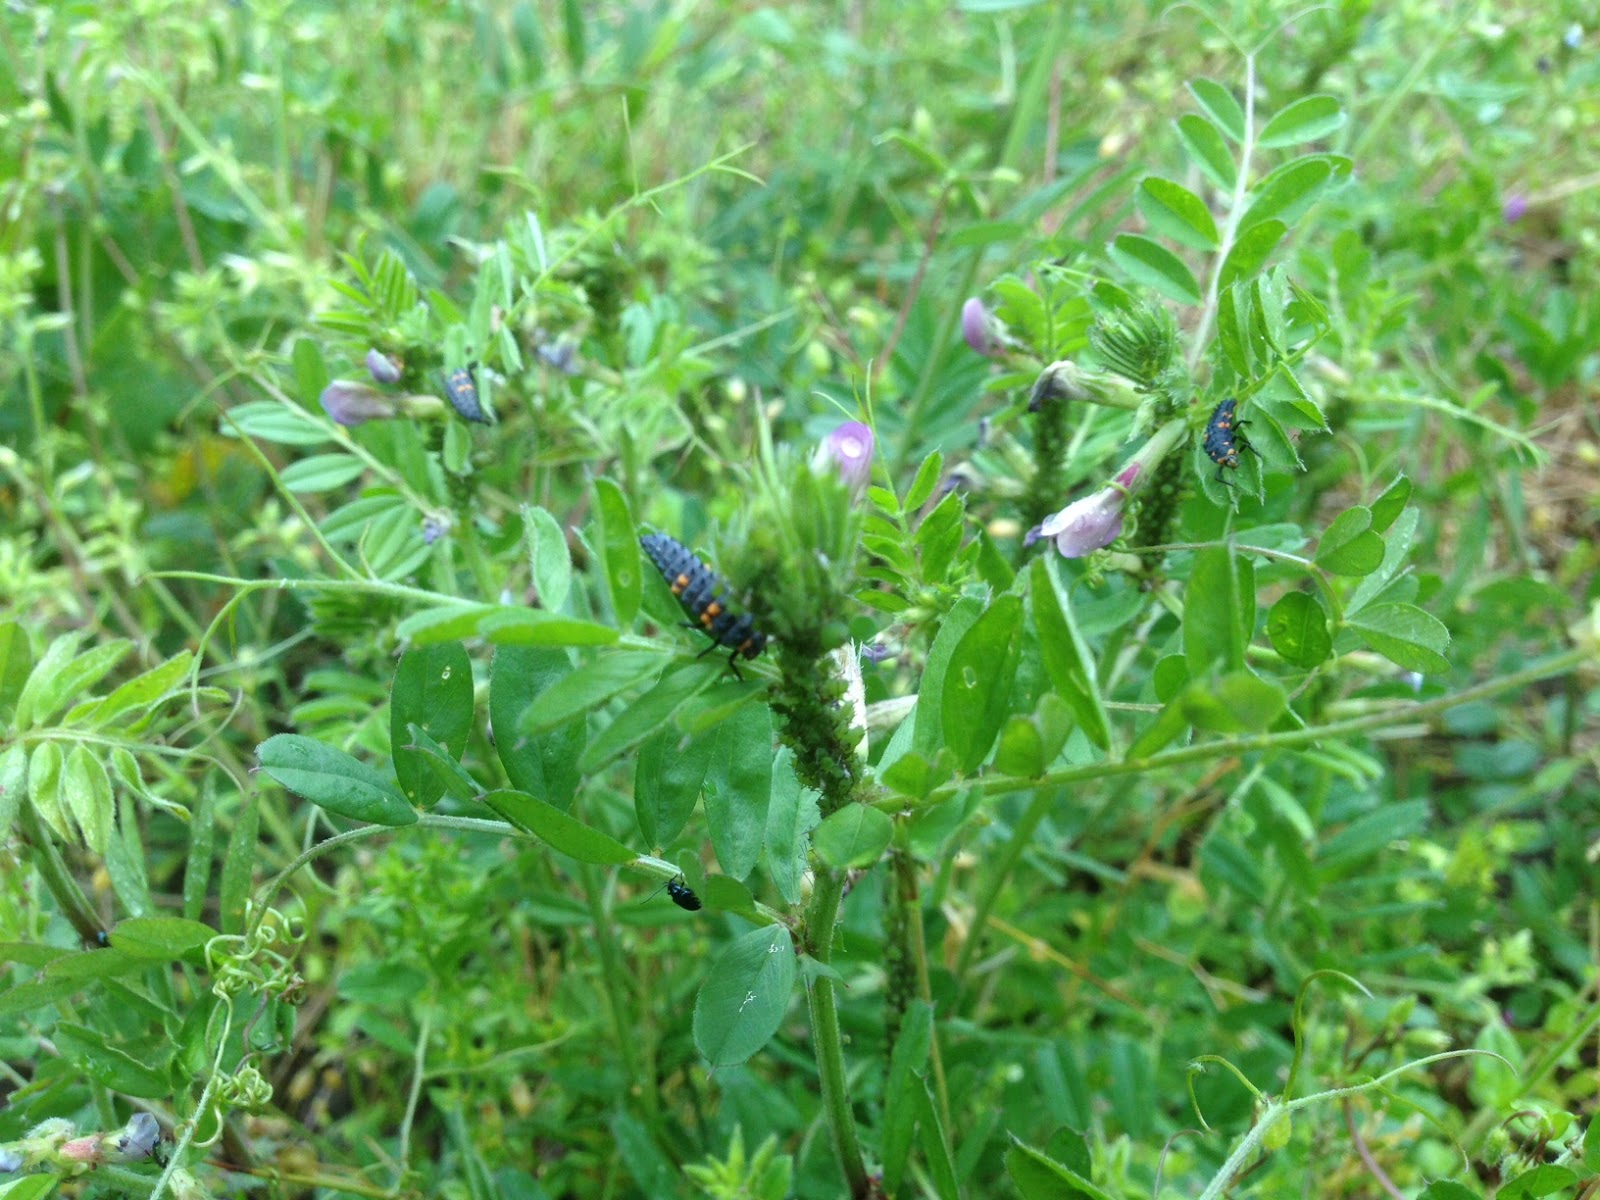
<point x="1092" y="786"/>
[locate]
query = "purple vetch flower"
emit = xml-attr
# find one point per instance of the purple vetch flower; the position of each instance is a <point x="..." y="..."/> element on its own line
<point x="1085" y="525"/>
<point x="384" y="368"/>
<point x="848" y="450"/>
<point x="560" y="355"/>
<point x="977" y="327"/>
<point x="138" y="1137"/>
<point x="351" y="403"/>
<point x="434" y="528"/>
<point x="1514" y="208"/>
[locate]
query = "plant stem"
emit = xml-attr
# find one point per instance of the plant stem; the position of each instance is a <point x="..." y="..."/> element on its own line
<point x="52" y="869"/>
<point x="611" y="972"/>
<point x="919" y="949"/>
<point x="1389" y="718"/>
<point x="824" y="912"/>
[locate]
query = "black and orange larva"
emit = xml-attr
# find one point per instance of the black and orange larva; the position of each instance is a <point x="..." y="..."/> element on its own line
<point x="704" y="597"/>
<point x="1223" y="440"/>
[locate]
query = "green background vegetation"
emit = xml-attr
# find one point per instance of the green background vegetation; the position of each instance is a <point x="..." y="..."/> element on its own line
<point x="1278" y="880"/>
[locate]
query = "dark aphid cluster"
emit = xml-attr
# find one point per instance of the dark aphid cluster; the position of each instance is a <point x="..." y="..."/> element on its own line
<point x="704" y="597"/>
<point x="683" y="895"/>
<point x="1223" y="440"/>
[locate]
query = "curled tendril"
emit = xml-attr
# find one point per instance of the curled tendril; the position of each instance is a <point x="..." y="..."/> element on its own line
<point x="245" y="1088"/>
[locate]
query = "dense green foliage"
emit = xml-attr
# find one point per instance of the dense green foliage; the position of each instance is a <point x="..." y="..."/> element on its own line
<point x="1133" y="799"/>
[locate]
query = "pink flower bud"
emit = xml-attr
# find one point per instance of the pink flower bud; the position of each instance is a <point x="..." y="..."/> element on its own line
<point x="977" y="327"/>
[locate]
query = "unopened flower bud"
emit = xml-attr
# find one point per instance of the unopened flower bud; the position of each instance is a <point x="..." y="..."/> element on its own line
<point x="384" y="368"/>
<point x="977" y="327"/>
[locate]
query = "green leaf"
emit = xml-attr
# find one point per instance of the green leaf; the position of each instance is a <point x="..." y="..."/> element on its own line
<point x="791" y="817"/>
<point x="906" y="1065"/>
<point x="1591" y="1143"/>
<point x="271" y="421"/>
<point x="1349" y="547"/>
<point x="928" y="732"/>
<point x="738" y="788"/>
<point x="333" y="780"/>
<point x="1220" y="106"/>
<point x="1021" y="749"/>
<point x="165" y="939"/>
<point x="1066" y="656"/>
<point x="1207" y="150"/>
<point x="142" y="692"/>
<point x="86" y="792"/>
<point x="62" y="675"/>
<point x="432" y="690"/>
<point x="648" y="714"/>
<point x="1175" y="212"/>
<point x="589" y="687"/>
<point x="1445" y="1189"/>
<point x="1306" y="120"/>
<point x="1218" y="610"/>
<point x="88" y="1050"/>
<point x="30" y="1187"/>
<point x="992" y="566"/>
<point x="446" y="623"/>
<point x="44" y="788"/>
<point x="1297" y="627"/>
<point x="1288" y="192"/>
<point x="977" y="683"/>
<point x="619" y="547"/>
<point x="1405" y="635"/>
<point x="13" y="786"/>
<point x="652" y="1171"/>
<point x="566" y="834"/>
<point x="1039" y="1177"/>
<point x="1544" y="1180"/>
<point x="1389" y="505"/>
<point x="1224" y="862"/>
<point x="1170" y="723"/>
<point x="935" y="1145"/>
<point x="321" y="472"/>
<point x="1233" y="332"/>
<point x="1371" y="832"/>
<point x="1239" y="702"/>
<point x="745" y="995"/>
<point x="32" y="998"/>
<point x="448" y="774"/>
<point x="1251" y="251"/>
<point x="238" y="867"/>
<point x="310" y="371"/>
<point x="1396" y="552"/>
<point x="544" y="763"/>
<point x="668" y="776"/>
<point x="927" y="478"/>
<point x="535" y="627"/>
<point x="855" y="836"/>
<point x="1152" y="265"/>
<point x="549" y="558"/>
<point x="16" y="664"/>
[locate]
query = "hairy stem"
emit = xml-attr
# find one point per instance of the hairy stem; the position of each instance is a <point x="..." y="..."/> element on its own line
<point x="825" y="1037"/>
